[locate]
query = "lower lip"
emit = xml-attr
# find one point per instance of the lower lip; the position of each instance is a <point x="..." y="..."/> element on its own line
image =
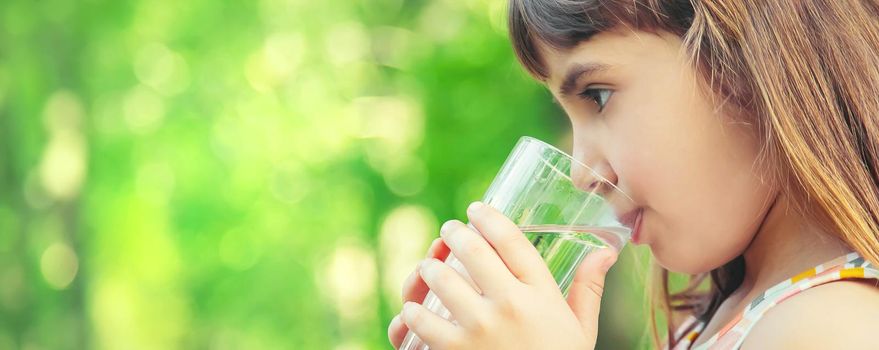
<point x="636" y="233"/>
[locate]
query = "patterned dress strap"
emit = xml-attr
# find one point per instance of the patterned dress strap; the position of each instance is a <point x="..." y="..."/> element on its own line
<point x="848" y="266"/>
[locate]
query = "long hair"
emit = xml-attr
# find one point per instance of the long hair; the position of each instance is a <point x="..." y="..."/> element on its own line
<point x="805" y="74"/>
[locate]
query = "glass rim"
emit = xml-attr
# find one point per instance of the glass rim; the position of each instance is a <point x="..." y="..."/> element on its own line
<point x="578" y="162"/>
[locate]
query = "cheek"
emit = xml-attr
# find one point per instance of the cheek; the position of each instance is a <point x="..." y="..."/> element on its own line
<point x="704" y="199"/>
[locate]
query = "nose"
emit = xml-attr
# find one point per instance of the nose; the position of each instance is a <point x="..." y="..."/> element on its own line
<point x="598" y="178"/>
<point x="594" y="174"/>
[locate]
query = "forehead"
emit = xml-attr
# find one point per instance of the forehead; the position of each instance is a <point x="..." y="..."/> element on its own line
<point x="606" y="52"/>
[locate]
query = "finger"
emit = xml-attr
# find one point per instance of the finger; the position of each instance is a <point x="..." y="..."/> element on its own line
<point x="478" y="258"/>
<point x="438" y="250"/>
<point x="397" y="331"/>
<point x="433" y="330"/>
<point x="453" y="291"/>
<point x="414" y="288"/>
<point x="514" y="248"/>
<point x="586" y="291"/>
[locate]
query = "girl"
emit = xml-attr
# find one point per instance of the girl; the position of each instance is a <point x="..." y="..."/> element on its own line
<point x="747" y="133"/>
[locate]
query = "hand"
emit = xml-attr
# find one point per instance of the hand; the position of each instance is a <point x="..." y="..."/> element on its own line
<point x="414" y="290"/>
<point x="519" y="306"/>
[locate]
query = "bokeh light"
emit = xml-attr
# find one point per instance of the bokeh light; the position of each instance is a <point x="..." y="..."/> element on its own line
<point x="248" y="175"/>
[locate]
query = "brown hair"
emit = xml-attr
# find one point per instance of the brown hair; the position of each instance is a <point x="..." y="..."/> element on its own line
<point x="805" y="73"/>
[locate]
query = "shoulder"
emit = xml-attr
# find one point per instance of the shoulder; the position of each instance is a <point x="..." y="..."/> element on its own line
<point x="841" y="314"/>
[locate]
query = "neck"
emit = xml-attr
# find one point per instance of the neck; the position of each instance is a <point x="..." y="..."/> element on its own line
<point x="785" y="245"/>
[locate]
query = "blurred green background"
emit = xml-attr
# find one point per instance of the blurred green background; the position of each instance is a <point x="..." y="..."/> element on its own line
<point x="249" y="174"/>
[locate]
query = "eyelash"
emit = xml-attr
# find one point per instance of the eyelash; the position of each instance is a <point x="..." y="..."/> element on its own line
<point x="596" y="95"/>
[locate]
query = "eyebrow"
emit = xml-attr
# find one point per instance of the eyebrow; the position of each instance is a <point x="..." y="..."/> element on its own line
<point x="579" y="70"/>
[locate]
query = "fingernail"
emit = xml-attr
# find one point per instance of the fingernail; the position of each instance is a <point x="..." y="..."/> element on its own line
<point x="425" y="268"/>
<point x="475" y="207"/>
<point x="448" y="225"/>
<point x="408" y="311"/>
<point x="395" y="321"/>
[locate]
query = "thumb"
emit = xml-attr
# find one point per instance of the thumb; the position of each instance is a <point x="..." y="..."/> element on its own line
<point x="584" y="297"/>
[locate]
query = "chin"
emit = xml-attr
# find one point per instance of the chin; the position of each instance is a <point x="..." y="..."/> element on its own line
<point x="690" y="264"/>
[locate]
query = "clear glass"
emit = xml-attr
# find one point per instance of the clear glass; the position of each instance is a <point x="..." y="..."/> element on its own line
<point x="563" y="206"/>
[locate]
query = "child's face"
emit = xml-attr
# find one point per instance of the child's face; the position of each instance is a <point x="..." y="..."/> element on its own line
<point x="682" y="158"/>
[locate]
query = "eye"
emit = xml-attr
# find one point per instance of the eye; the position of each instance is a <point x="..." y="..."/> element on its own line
<point x="597" y="95"/>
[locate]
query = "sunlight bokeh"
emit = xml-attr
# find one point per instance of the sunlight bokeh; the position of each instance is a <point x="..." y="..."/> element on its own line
<point x="248" y="174"/>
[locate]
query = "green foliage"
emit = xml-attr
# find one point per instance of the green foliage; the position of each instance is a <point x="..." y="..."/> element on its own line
<point x="247" y="174"/>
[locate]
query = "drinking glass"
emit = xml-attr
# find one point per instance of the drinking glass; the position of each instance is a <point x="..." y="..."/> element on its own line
<point x="565" y="208"/>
